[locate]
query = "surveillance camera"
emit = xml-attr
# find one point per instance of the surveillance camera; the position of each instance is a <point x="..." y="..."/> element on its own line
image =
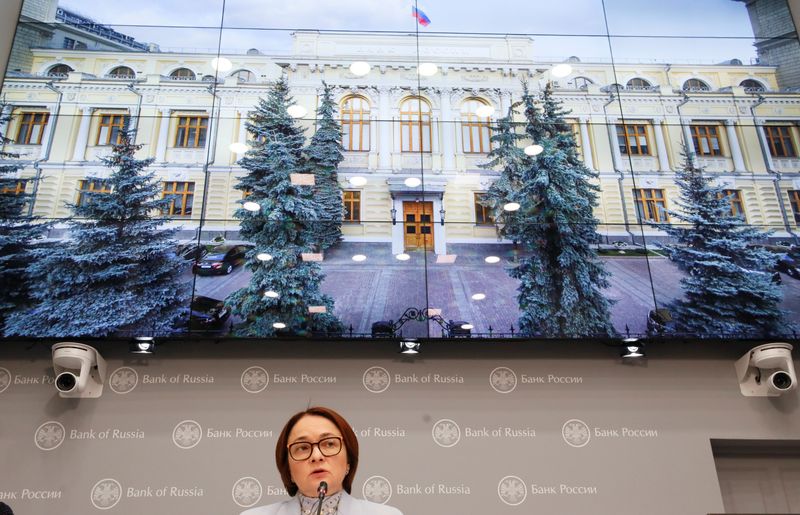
<point x="766" y="371"/>
<point x="80" y="370"/>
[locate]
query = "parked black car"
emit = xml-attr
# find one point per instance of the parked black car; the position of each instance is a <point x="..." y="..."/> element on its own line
<point x="221" y="260"/>
<point x="191" y="251"/>
<point x="206" y="314"/>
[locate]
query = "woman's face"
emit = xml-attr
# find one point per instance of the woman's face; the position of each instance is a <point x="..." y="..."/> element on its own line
<point x="307" y="474"/>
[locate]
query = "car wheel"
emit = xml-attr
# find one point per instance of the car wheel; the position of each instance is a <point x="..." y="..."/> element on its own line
<point x="228" y="269"/>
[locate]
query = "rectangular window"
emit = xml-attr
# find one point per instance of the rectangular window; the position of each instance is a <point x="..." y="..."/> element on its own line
<point x="111" y="126"/>
<point x="735" y="199"/>
<point x="352" y="206"/>
<point x="633" y="139"/>
<point x="31" y="128"/>
<point x="12" y="188"/>
<point x="651" y="205"/>
<point x="483" y="214"/>
<point x="706" y="140"/>
<point x="181" y="196"/>
<point x="780" y="141"/>
<point x="88" y="189"/>
<point x="794" y="199"/>
<point x="191" y="131"/>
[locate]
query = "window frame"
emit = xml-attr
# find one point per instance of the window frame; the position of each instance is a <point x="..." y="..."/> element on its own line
<point x="697" y="137"/>
<point x="734" y="197"/>
<point x="177" y="74"/>
<point x="481" y="211"/>
<point x="641" y="84"/>
<point x="112" y="75"/>
<point x="469" y="121"/>
<point x="186" y="196"/>
<point x="95" y="185"/>
<point x="42" y="124"/>
<point x="19" y="188"/>
<point x="110" y="127"/>
<point x="407" y="121"/>
<point x="354" y="206"/>
<point x="363" y="123"/>
<point x="647" y="205"/>
<point x="704" y="87"/>
<point x="200" y="126"/>
<point x="783" y="139"/>
<point x="626" y="148"/>
<point x="52" y="73"/>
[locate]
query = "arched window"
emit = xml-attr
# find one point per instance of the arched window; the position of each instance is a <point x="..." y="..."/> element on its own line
<point x="122" y="72"/>
<point x="638" y="84"/>
<point x="752" y="86"/>
<point x="579" y="82"/>
<point x="415" y="125"/>
<point x="182" y="74"/>
<point x="355" y="124"/>
<point x="695" y="85"/>
<point x="474" y="127"/>
<point x="59" y="70"/>
<point x="244" y="75"/>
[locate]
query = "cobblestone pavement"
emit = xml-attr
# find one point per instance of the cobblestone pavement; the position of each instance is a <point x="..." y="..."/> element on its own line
<point x="382" y="288"/>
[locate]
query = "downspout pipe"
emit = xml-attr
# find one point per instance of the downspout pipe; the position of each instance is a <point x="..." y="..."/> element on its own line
<point x="48" y="147"/>
<point x="620" y="173"/>
<point x="211" y="153"/>
<point x="136" y="92"/>
<point x="776" y="180"/>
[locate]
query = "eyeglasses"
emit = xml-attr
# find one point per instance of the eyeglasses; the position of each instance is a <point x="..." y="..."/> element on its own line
<point x="301" y="451"/>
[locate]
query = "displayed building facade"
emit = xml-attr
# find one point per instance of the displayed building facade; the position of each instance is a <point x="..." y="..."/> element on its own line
<point x="630" y="121"/>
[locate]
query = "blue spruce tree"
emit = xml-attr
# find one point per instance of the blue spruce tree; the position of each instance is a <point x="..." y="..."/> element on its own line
<point x="283" y="286"/>
<point x="728" y="289"/>
<point x="324" y="153"/>
<point x="561" y="277"/>
<point x="20" y="233"/>
<point x="118" y="271"/>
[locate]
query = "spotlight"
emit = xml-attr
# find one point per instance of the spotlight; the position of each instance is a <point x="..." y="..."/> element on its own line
<point x="263" y="256"/>
<point x="359" y="68"/>
<point x="358" y="180"/>
<point x="238" y="147"/>
<point x="533" y="150"/>
<point x="409" y="347"/>
<point x="484" y="111"/>
<point x="251" y="206"/>
<point x="632" y="348"/>
<point x="412" y="182"/>
<point x="427" y="69"/>
<point x="221" y="64"/>
<point x="459" y="329"/>
<point x="511" y="206"/>
<point x="561" y="70"/>
<point x="492" y="259"/>
<point x="403" y="257"/>
<point x="296" y="111"/>
<point x="142" y="345"/>
<point x="279" y="325"/>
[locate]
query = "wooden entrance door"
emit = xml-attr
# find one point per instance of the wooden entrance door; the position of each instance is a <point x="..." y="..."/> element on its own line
<point x="418" y="225"/>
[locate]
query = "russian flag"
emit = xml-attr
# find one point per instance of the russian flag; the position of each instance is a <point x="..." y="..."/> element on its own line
<point x="421" y="17"/>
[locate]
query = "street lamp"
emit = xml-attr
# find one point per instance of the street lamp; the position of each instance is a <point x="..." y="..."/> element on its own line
<point x="393" y="211"/>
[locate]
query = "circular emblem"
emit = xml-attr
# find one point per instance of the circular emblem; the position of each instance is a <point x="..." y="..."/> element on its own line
<point x="377" y="489"/>
<point x="5" y="379"/>
<point x="255" y="379"/>
<point x="512" y="490"/>
<point x="503" y="380"/>
<point x="247" y="492"/>
<point x="187" y="434"/>
<point x="106" y="493"/>
<point x="49" y="435"/>
<point x="377" y="379"/>
<point x="123" y="380"/>
<point x="576" y="433"/>
<point x="446" y="432"/>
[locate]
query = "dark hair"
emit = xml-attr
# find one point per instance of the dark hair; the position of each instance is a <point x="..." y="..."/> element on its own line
<point x="5" y="509"/>
<point x="348" y="436"/>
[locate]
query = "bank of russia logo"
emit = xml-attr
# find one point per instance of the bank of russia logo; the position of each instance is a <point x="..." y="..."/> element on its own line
<point x="576" y="433"/>
<point x="503" y="380"/>
<point x="5" y="379"/>
<point x="255" y="380"/>
<point x="123" y="380"/>
<point x="377" y="379"/>
<point x="247" y="492"/>
<point x="377" y="489"/>
<point x="512" y="490"/>
<point x="106" y="493"/>
<point x="49" y="435"/>
<point x="187" y="434"/>
<point x="446" y="432"/>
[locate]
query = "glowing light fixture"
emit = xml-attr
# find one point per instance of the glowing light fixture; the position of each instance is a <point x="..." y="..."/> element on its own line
<point x="360" y="68"/>
<point x="484" y="111"/>
<point x="427" y="69"/>
<point x="467" y="326"/>
<point x="263" y="256"/>
<point x="412" y="182"/>
<point x="296" y="111"/>
<point x="492" y="259"/>
<point x="561" y="70"/>
<point x="221" y="64"/>
<point x="272" y="294"/>
<point x="238" y="147"/>
<point x="252" y="206"/>
<point x="279" y="325"/>
<point x="142" y="345"/>
<point x="478" y="296"/>
<point x="358" y="180"/>
<point x="409" y="347"/>
<point x="359" y="258"/>
<point x="511" y="206"/>
<point x="632" y="348"/>
<point x="403" y="257"/>
<point x="533" y="150"/>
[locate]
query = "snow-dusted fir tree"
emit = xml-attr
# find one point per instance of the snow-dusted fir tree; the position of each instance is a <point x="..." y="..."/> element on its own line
<point x="507" y="157"/>
<point x="283" y="286"/>
<point x="19" y="233"/>
<point x="728" y="289"/>
<point x="118" y="270"/>
<point x="561" y="277"/>
<point x="324" y="153"/>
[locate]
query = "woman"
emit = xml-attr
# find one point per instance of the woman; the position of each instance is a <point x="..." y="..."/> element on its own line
<point x="319" y="445"/>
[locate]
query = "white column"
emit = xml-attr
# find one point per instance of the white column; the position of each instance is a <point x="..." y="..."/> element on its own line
<point x="48" y="130"/>
<point x="661" y="146"/>
<point x="398" y="243"/>
<point x="395" y="126"/>
<point x="586" y="145"/>
<point x="79" y="154"/>
<point x="611" y="125"/>
<point x="243" y="116"/>
<point x="505" y="101"/>
<point x="448" y="126"/>
<point x="736" y="150"/>
<point x="163" y="134"/>
<point x="436" y="133"/>
<point x="385" y="130"/>
<point x="762" y="139"/>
